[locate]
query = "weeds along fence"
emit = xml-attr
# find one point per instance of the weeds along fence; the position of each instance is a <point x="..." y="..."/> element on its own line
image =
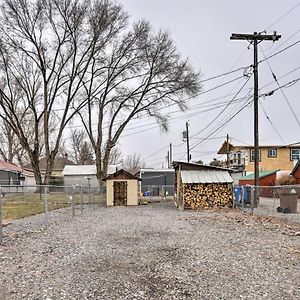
<point x="279" y="201"/>
<point x="17" y="201"/>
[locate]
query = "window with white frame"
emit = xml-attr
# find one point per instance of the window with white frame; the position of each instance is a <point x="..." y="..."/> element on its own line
<point x="272" y="152"/>
<point x="252" y="151"/>
<point x="295" y="153"/>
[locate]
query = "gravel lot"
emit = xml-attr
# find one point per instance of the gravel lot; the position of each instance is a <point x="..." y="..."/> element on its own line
<point x="150" y="252"/>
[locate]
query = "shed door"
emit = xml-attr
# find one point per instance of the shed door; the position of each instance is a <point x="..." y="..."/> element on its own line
<point x="120" y="193"/>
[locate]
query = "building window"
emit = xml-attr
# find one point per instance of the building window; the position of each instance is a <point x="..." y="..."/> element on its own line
<point x="295" y="154"/>
<point x="272" y="152"/>
<point x="252" y="151"/>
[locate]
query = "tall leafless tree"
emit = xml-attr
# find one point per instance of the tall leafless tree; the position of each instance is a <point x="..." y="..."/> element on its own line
<point x="48" y="49"/>
<point x="142" y="73"/>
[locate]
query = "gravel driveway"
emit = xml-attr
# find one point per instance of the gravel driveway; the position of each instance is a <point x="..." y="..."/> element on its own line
<point x="150" y="252"/>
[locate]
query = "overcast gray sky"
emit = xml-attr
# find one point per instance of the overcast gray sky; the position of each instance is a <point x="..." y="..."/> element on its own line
<point x="201" y="30"/>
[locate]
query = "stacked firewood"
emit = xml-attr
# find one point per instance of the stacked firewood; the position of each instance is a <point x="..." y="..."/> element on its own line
<point x="206" y="195"/>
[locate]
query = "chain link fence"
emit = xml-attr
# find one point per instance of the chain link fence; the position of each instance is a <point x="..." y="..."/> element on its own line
<point x="278" y="201"/>
<point x="152" y="193"/>
<point x="18" y="201"/>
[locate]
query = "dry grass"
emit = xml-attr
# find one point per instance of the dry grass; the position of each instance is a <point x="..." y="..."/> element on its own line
<point x="16" y="206"/>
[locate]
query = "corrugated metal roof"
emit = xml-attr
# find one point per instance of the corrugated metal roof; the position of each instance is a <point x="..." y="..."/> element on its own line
<point x="86" y="170"/>
<point x="205" y="176"/>
<point x="79" y="170"/>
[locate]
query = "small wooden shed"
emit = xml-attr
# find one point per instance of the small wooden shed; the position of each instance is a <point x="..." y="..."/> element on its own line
<point x="121" y="189"/>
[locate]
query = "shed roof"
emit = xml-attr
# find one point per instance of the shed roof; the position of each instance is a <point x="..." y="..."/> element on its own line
<point x="121" y="174"/>
<point x="262" y="174"/>
<point x="206" y="176"/>
<point x="194" y="166"/>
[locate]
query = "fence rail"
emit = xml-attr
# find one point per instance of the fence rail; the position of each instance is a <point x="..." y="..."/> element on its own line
<point x="22" y="201"/>
<point x="279" y="201"/>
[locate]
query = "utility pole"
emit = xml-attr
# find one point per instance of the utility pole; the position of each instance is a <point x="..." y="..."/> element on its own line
<point x="227" y="151"/>
<point x="255" y="38"/>
<point x="168" y="159"/>
<point x="187" y="141"/>
<point x="170" y="155"/>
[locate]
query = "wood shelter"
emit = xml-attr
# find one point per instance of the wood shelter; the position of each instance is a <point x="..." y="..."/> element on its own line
<point x="202" y="186"/>
<point x="121" y="189"/>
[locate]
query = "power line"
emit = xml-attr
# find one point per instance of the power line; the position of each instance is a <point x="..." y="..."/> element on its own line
<point x="224" y="108"/>
<point x="284" y="95"/>
<point x="273" y="126"/>
<point x="224" y="123"/>
<point x="283" y="16"/>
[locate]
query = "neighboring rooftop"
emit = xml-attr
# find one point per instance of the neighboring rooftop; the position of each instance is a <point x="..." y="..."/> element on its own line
<point x="6" y="166"/>
<point x="262" y="174"/>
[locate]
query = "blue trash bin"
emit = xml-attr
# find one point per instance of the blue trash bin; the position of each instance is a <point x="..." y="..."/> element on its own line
<point x="247" y="194"/>
<point x="238" y="194"/>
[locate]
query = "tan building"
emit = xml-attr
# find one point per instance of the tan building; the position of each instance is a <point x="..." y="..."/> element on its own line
<point x="121" y="189"/>
<point x="271" y="157"/>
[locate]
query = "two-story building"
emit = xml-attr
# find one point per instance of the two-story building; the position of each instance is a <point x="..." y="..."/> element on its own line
<point x="271" y="157"/>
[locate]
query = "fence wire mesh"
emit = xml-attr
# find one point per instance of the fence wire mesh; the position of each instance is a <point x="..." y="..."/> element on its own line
<point x="279" y="201"/>
<point x="18" y="201"/>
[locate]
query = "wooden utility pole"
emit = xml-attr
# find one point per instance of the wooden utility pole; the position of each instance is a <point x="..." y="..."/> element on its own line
<point x="187" y="141"/>
<point x="254" y="39"/>
<point x="227" y="151"/>
<point x="170" y="155"/>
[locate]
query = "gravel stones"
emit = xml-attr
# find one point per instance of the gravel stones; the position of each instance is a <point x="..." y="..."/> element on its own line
<point x="149" y="252"/>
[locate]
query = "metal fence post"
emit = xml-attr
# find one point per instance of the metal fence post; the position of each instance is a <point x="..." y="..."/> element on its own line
<point x="73" y="201"/>
<point x="89" y="194"/>
<point x="81" y="199"/>
<point x="252" y="199"/>
<point x="46" y="203"/>
<point x="1" y="233"/>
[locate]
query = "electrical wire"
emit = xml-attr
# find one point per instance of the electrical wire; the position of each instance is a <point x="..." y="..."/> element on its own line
<point x="220" y="113"/>
<point x="273" y="126"/>
<point x="284" y="95"/>
<point x="283" y="16"/>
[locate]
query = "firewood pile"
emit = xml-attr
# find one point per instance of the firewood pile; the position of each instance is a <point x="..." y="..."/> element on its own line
<point x="206" y="195"/>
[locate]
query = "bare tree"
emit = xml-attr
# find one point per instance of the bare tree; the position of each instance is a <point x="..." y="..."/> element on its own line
<point x="48" y="51"/>
<point x="132" y="163"/>
<point x="115" y="156"/>
<point x="142" y="73"/>
<point x="82" y="152"/>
